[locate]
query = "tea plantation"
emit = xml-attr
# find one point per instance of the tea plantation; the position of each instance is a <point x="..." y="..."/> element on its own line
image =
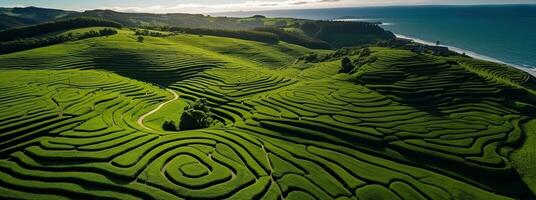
<point x="83" y="120"/>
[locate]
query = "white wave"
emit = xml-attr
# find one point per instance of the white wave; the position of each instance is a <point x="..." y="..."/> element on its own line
<point x="527" y="68"/>
<point x="355" y="19"/>
<point x="364" y="20"/>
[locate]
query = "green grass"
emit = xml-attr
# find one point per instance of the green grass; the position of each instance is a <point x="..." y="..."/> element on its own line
<point x="524" y="158"/>
<point x="406" y="126"/>
<point x="74" y="31"/>
<point x="169" y="112"/>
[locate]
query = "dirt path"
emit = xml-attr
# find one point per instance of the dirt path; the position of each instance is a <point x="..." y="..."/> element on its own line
<point x="140" y="120"/>
<point x="272" y="171"/>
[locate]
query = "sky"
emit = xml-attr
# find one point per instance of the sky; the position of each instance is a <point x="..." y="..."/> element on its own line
<point x="208" y="6"/>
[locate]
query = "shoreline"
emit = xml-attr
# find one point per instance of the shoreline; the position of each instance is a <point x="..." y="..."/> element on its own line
<point x="531" y="71"/>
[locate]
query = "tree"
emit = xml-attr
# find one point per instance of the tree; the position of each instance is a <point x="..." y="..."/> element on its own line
<point x="169" y="126"/>
<point x="107" y="31"/>
<point x="197" y="116"/>
<point x="313" y="57"/>
<point x="346" y="65"/>
<point x="140" y="38"/>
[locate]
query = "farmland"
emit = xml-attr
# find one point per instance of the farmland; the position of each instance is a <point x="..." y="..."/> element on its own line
<point x="405" y="126"/>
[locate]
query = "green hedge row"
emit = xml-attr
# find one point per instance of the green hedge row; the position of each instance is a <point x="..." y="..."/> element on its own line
<point x="265" y="37"/>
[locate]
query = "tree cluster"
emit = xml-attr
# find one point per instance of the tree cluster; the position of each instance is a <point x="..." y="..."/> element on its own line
<point x="146" y="32"/>
<point x="106" y="32"/>
<point x="50" y="27"/>
<point x="346" y="65"/>
<point x="361" y="32"/>
<point x="321" y="28"/>
<point x="311" y="58"/>
<point x="196" y="116"/>
<point x="295" y="38"/>
<point x="30" y="43"/>
<point x="258" y="36"/>
<point x="342" y="52"/>
<point x="364" y="57"/>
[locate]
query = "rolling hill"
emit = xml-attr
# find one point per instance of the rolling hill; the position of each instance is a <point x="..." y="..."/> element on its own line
<point x="83" y="120"/>
<point x="16" y="17"/>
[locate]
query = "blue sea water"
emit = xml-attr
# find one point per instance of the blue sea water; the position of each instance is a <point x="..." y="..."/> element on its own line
<point x="505" y="33"/>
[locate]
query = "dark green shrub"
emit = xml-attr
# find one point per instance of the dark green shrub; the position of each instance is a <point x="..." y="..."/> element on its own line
<point x="140" y="38"/>
<point x="169" y="126"/>
<point x="146" y="32"/>
<point x="346" y="65"/>
<point x="311" y="58"/>
<point x="107" y="31"/>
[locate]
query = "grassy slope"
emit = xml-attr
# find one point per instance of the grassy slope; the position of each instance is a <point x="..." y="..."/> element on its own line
<point x="169" y="112"/>
<point x="292" y="130"/>
<point x="73" y="31"/>
<point x="524" y="158"/>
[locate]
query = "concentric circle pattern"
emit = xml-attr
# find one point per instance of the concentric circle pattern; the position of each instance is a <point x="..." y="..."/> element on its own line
<point x="407" y="127"/>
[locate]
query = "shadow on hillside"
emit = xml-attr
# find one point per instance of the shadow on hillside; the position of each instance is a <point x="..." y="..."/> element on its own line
<point x="161" y="69"/>
<point x="433" y="89"/>
<point x="441" y="90"/>
<point x="504" y="182"/>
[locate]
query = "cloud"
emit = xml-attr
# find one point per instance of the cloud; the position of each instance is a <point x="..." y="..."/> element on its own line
<point x="256" y="5"/>
<point x="300" y="3"/>
<point x="248" y="5"/>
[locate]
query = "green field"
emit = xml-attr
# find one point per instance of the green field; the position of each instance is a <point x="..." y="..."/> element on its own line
<point x="83" y="120"/>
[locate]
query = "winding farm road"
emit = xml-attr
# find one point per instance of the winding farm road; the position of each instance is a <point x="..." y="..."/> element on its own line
<point x="140" y="120"/>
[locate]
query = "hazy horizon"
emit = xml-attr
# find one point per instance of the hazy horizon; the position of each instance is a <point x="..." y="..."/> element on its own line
<point x="268" y="99"/>
<point x="213" y="6"/>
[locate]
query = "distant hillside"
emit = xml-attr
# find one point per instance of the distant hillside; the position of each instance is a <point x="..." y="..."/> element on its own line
<point x="185" y="20"/>
<point x="49" y="27"/>
<point x="16" y="17"/>
<point x="45" y="34"/>
<point x="12" y="21"/>
<point x="307" y="33"/>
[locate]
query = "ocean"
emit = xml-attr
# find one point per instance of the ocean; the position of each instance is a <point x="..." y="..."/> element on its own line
<point x="500" y="33"/>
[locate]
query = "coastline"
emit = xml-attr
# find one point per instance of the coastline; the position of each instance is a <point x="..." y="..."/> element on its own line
<point x="531" y="71"/>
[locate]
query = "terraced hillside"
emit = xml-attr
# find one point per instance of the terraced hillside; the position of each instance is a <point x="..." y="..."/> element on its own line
<point x="82" y="120"/>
